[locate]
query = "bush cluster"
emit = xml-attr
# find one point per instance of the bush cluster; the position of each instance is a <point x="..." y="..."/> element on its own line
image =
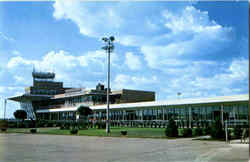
<point x="217" y="131"/>
<point x="73" y="131"/>
<point x="124" y="133"/>
<point x="101" y="125"/>
<point x="206" y="130"/>
<point x="198" y="132"/>
<point x="3" y="124"/>
<point x="172" y="129"/>
<point x="33" y="130"/>
<point x="187" y="132"/>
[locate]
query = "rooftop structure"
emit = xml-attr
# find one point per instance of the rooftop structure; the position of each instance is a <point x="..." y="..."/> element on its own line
<point x="45" y="93"/>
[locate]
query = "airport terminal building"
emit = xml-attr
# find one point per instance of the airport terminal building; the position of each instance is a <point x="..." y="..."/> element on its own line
<point x="49" y="100"/>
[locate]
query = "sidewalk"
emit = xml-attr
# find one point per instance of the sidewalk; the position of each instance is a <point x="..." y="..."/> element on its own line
<point x="237" y="143"/>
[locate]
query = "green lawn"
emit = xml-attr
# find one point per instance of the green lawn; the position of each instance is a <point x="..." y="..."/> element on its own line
<point x="115" y="132"/>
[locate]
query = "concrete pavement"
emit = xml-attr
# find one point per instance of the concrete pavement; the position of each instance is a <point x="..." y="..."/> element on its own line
<point x="59" y="148"/>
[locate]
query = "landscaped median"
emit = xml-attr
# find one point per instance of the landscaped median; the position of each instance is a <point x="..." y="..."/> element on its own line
<point x="115" y="132"/>
<point x="172" y="131"/>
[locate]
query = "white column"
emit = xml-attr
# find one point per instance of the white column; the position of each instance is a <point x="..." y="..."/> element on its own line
<point x="123" y="115"/>
<point x="190" y="116"/>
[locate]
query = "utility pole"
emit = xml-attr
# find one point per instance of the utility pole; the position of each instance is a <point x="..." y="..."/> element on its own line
<point x="109" y="47"/>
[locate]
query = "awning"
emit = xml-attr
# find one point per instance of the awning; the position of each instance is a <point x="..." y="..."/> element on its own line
<point x="29" y="98"/>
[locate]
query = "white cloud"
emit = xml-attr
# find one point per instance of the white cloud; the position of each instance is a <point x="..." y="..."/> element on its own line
<point x="158" y="56"/>
<point x="16" y="61"/>
<point x="192" y="34"/>
<point x="132" y="81"/>
<point x="68" y="67"/>
<point x="5" y="37"/>
<point x="21" y="80"/>
<point x="237" y="71"/>
<point x="91" y="23"/>
<point x="64" y="60"/>
<point x="190" y="20"/>
<point x="192" y="84"/>
<point x="133" y="61"/>
<point x="15" y="52"/>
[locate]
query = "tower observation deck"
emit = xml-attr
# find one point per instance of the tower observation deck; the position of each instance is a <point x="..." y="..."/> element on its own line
<point x="43" y="76"/>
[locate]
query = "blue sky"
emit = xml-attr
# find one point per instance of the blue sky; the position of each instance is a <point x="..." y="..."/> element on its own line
<point x="197" y="48"/>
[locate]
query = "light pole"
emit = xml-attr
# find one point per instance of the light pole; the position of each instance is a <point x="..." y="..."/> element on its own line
<point x="179" y="94"/>
<point x="109" y="47"/>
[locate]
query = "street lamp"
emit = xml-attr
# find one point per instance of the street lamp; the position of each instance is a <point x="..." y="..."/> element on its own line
<point x="109" y="47"/>
<point x="179" y="94"/>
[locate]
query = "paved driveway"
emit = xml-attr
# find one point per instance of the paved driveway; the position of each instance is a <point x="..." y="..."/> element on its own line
<point x="58" y="148"/>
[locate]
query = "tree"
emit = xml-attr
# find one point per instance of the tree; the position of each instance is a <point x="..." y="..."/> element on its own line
<point x="217" y="129"/>
<point x="84" y="110"/>
<point x="172" y="129"/>
<point x="20" y="114"/>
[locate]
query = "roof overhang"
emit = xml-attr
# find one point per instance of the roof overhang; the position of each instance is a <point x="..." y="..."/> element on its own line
<point x="155" y="104"/>
<point x="29" y="98"/>
<point x="179" y="102"/>
<point x="57" y="110"/>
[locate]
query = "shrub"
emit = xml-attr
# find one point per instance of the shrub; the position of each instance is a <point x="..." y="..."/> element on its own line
<point x="57" y="124"/>
<point x="40" y="123"/>
<point x="73" y="131"/>
<point x="172" y="129"/>
<point x="33" y="131"/>
<point x="198" y="132"/>
<point x="62" y="127"/>
<point x="3" y="129"/>
<point x="187" y="132"/>
<point x="50" y="124"/>
<point x="124" y="133"/>
<point x="82" y="125"/>
<point x="29" y="124"/>
<point x="12" y="125"/>
<point x="101" y="125"/>
<point x="74" y="124"/>
<point x="66" y="126"/>
<point x="21" y="125"/>
<point x="206" y="130"/>
<point x="217" y="130"/>
<point x="20" y="114"/>
<point x="3" y="125"/>
<point x="206" y="124"/>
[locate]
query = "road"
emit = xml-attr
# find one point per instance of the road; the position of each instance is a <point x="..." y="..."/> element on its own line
<point x="59" y="148"/>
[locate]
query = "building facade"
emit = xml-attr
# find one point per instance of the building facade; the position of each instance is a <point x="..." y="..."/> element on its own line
<point x="45" y="94"/>
<point x="49" y="100"/>
<point x="186" y="112"/>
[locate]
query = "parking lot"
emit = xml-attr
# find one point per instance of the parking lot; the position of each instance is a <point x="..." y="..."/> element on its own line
<point x="60" y="148"/>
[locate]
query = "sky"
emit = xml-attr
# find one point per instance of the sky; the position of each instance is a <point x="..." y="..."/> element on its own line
<point x="197" y="48"/>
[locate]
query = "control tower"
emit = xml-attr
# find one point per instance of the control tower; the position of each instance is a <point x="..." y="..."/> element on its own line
<point x="44" y="84"/>
<point x="44" y="87"/>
